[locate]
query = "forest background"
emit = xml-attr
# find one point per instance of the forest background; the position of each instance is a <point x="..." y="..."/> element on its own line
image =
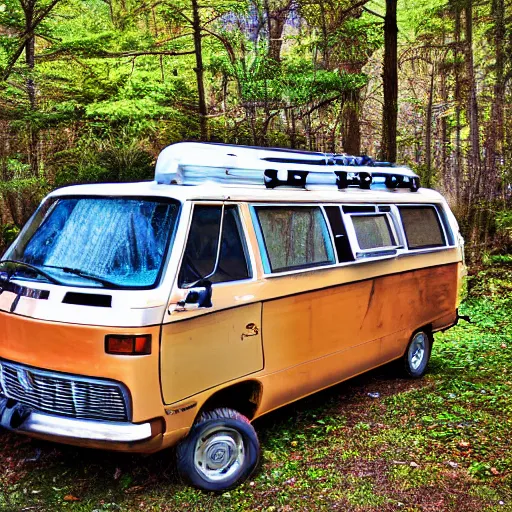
<point x="92" y="90"/>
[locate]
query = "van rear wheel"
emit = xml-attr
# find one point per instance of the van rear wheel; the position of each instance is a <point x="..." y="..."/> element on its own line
<point x="417" y="355"/>
<point x="220" y="452"/>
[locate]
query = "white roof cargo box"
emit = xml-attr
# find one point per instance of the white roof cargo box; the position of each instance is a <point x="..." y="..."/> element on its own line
<point x="193" y="163"/>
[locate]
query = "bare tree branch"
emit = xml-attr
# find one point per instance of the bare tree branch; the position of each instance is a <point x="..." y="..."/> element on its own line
<point x="25" y="38"/>
<point x="374" y="13"/>
<point x="58" y="54"/>
<point x="346" y="12"/>
<point x="225" y="41"/>
<point x="164" y="41"/>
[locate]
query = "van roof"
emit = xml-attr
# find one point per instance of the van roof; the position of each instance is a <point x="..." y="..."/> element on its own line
<point x="210" y="191"/>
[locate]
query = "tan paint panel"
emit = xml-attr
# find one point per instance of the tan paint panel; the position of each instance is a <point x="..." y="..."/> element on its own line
<point x="283" y="387"/>
<point x="369" y="322"/>
<point x="311" y="325"/>
<point x="206" y="351"/>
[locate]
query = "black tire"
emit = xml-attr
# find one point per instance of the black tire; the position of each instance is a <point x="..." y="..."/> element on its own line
<point x="222" y="433"/>
<point x="416" y="357"/>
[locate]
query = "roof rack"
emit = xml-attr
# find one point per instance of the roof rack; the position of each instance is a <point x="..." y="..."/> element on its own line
<point x="193" y="163"/>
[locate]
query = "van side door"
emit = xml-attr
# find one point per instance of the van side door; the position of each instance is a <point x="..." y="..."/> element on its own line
<point x="209" y="346"/>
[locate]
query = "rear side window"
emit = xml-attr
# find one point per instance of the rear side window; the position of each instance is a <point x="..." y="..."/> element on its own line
<point x="422" y="227"/>
<point x="295" y="237"/>
<point x="373" y="231"/>
<point x="201" y="249"/>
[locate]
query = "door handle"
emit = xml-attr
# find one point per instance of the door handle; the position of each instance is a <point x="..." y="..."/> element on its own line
<point x="251" y="330"/>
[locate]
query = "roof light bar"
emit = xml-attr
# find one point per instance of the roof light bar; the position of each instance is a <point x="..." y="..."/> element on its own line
<point x="291" y="179"/>
<point x="360" y="179"/>
<point x="193" y="163"/>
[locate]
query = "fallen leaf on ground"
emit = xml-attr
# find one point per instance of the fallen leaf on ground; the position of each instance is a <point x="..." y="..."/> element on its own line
<point x="70" y="497"/>
<point x="135" y="488"/>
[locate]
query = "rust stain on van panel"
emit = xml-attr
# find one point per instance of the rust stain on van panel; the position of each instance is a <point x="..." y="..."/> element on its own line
<point x="370" y="299"/>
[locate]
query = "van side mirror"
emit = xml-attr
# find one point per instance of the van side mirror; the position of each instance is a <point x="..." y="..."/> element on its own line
<point x="197" y="297"/>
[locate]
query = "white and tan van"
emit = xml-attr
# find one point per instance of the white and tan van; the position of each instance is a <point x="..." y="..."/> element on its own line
<point x="139" y="316"/>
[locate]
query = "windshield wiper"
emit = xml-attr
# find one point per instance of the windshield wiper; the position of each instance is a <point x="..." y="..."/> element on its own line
<point x="85" y="275"/>
<point x="33" y="268"/>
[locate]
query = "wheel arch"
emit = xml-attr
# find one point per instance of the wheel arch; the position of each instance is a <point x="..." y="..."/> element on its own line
<point x="244" y="397"/>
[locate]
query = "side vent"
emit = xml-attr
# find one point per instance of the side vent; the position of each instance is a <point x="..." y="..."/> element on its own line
<point x="88" y="299"/>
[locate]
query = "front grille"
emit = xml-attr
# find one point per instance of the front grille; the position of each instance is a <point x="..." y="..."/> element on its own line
<point x="66" y="395"/>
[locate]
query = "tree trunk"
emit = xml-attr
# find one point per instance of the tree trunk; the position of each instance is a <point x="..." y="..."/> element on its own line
<point x="390" y="79"/>
<point x="495" y="136"/>
<point x="325" y="38"/>
<point x="445" y="133"/>
<point x="33" y="142"/>
<point x="474" y="129"/>
<point x="351" y="125"/>
<point x="458" y="100"/>
<point x="196" y="26"/>
<point x="428" y="131"/>
<point x="293" y="133"/>
<point x="276" y="19"/>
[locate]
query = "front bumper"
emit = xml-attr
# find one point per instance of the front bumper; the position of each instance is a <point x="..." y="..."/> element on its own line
<point x="16" y="417"/>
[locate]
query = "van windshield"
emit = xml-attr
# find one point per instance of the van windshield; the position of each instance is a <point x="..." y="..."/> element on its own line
<point x="98" y="242"/>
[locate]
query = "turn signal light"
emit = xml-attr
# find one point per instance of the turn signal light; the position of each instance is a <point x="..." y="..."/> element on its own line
<point x="126" y="345"/>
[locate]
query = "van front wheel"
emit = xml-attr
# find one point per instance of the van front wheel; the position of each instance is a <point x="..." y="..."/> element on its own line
<point x="417" y="355"/>
<point x="220" y="452"/>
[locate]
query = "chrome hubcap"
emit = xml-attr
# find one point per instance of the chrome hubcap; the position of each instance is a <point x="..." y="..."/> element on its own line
<point x="219" y="453"/>
<point x="417" y="350"/>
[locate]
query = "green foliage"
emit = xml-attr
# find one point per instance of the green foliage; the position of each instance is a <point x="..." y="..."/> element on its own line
<point x="116" y="158"/>
<point x="102" y="66"/>
<point x="497" y="259"/>
<point x="504" y="221"/>
<point x="8" y="233"/>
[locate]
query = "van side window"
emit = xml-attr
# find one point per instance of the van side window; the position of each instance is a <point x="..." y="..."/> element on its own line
<point x="295" y="237"/>
<point x="422" y="227"/>
<point x="201" y="248"/>
<point x="373" y="231"/>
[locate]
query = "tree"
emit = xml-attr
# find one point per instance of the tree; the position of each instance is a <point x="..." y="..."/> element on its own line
<point x="495" y="133"/>
<point x="91" y="90"/>
<point x="199" y="69"/>
<point x="474" y="124"/>
<point x="390" y="83"/>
